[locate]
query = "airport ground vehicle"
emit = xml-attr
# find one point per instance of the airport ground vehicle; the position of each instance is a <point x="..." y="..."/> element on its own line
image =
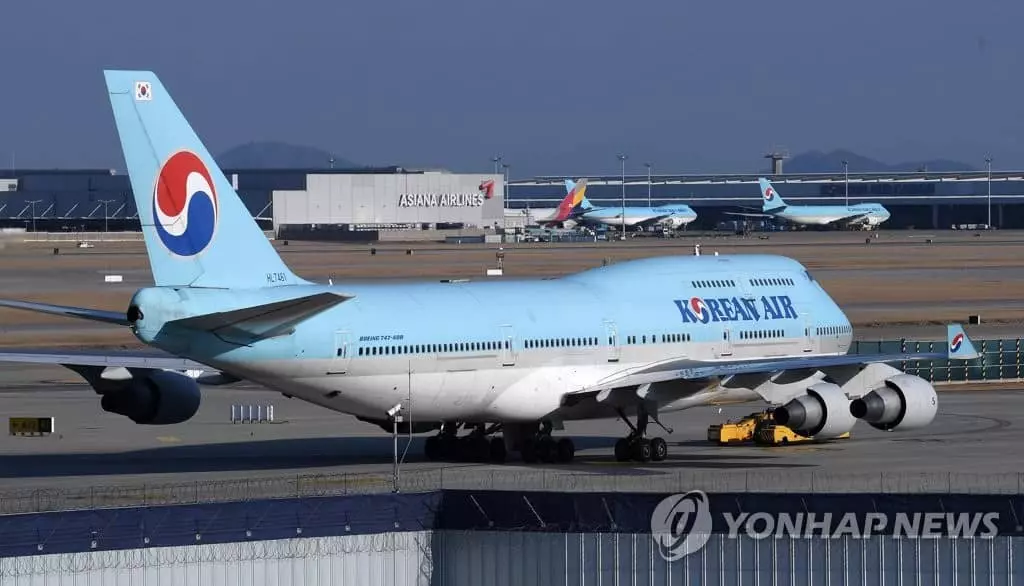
<point x="738" y="431"/>
<point x="760" y="428"/>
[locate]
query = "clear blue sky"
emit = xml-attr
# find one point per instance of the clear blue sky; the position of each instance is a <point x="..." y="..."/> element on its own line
<point x="554" y="86"/>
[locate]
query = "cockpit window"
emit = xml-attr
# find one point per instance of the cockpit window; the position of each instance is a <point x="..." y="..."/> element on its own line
<point x="809" y="276"/>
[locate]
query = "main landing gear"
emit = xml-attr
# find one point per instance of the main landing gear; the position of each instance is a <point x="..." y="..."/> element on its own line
<point x="541" y="447"/>
<point x="636" y="446"/>
<point x="476" y="446"/>
<point x="533" y="442"/>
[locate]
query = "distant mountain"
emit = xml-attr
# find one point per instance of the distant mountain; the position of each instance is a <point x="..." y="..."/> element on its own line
<point x="279" y="155"/>
<point x="819" y="162"/>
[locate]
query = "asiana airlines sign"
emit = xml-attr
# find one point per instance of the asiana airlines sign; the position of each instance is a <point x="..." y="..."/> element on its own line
<point x="440" y="200"/>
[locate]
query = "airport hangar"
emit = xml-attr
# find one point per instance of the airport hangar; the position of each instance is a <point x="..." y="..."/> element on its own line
<point x="327" y="203"/>
<point x="354" y="204"/>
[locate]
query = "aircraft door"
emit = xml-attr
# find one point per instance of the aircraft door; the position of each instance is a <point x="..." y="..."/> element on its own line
<point x="743" y="283"/>
<point x="343" y="349"/>
<point x="508" y="346"/>
<point x="725" y="349"/>
<point x="808" y="341"/>
<point x="612" y="333"/>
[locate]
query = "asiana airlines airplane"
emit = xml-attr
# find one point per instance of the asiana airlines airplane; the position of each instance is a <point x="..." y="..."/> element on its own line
<point x="494" y="367"/>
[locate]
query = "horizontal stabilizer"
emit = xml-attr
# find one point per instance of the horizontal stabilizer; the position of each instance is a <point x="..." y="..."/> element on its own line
<point x="259" y="322"/>
<point x="110" y="317"/>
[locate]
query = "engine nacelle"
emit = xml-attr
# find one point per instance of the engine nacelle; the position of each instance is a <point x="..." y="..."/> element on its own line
<point x="824" y="412"/>
<point x="905" y="402"/>
<point x="152" y="397"/>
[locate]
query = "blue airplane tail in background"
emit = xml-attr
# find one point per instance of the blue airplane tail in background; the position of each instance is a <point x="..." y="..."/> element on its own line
<point x="770" y="199"/>
<point x="960" y="346"/>
<point x="198" y="232"/>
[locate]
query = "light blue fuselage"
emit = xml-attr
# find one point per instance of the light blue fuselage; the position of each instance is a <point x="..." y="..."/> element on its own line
<point x="612" y="216"/>
<point x="873" y="213"/>
<point x="510" y="350"/>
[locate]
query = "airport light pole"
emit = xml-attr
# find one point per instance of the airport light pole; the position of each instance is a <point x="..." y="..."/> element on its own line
<point x="846" y="181"/>
<point x="395" y="413"/>
<point x="496" y="159"/>
<point x="105" y="203"/>
<point x="622" y="160"/>
<point x="988" y="168"/>
<point x="648" y="165"/>
<point x="504" y="183"/>
<point x="33" y="203"/>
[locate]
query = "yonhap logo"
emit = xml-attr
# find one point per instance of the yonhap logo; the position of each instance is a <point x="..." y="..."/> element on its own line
<point x="681" y="524"/>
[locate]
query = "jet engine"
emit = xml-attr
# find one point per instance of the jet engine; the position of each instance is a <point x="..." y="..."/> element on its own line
<point x="905" y="402"/>
<point x="824" y="412"/>
<point x="146" y="396"/>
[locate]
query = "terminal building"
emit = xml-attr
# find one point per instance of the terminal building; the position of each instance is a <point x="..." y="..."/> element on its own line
<point x="292" y="201"/>
<point x="916" y="200"/>
<point x="338" y="203"/>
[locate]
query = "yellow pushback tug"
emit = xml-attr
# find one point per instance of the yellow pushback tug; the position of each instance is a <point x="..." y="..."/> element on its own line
<point x="758" y="427"/>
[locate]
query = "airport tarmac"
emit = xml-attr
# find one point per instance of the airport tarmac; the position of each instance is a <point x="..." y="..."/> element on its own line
<point x="976" y="433"/>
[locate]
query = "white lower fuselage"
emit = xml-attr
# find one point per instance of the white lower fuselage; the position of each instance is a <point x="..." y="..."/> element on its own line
<point x="527" y="385"/>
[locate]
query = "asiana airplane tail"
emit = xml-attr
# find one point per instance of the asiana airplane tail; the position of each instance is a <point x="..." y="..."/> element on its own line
<point x="198" y="232"/>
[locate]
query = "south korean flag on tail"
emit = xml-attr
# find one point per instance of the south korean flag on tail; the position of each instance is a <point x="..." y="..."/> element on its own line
<point x="143" y="91"/>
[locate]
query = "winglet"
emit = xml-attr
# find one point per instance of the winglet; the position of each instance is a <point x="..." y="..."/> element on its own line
<point x="959" y="345"/>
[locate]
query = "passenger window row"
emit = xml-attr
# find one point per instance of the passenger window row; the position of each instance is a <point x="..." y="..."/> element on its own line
<point x="833" y="330"/>
<point x="712" y="284"/>
<point x="772" y="282"/>
<point x="762" y="334"/>
<point x="461" y="347"/>
<point x="561" y="342"/>
<point x="431" y="348"/>
<point x="653" y="339"/>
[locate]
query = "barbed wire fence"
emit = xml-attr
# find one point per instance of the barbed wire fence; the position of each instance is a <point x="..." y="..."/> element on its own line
<point x="401" y="544"/>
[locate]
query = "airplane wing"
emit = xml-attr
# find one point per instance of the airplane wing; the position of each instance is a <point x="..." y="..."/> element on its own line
<point x="652" y="220"/>
<point x="959" y="347"/>
<point x="110" y="317"/>
<point x="860" y="217"/>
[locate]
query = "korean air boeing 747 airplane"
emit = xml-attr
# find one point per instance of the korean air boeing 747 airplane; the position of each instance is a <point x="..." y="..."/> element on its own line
<point x="862" y="215"/>
<point x="633" y="340"/>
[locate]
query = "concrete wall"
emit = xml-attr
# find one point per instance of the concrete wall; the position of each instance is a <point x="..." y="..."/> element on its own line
<point x="499" y="558"/>
<point x="391" y="199"/>
<point x="538" y="559"/>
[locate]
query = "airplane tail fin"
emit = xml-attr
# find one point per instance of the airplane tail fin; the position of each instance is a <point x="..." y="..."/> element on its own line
<point x="575" y="198"/>
<point x="198" y="232"/>
<point x="959" y="345"/>
<point x="770" y="198"/>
